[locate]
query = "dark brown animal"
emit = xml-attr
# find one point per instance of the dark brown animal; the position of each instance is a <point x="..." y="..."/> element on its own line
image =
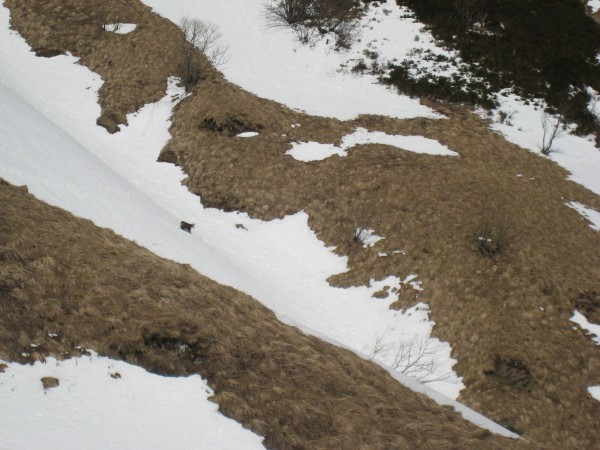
<point x="186" y="226"/>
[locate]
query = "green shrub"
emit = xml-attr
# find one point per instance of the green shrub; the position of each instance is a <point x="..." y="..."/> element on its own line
<point x="546" y="48"/>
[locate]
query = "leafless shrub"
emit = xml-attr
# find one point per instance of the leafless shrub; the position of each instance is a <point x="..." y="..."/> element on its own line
<point x="203" y="36"/>
<point x="360" y="236"/>
<point x="305" y="34"/>
<point x="307" y="17"/>
<point x="289" y="12"/>
<point x="346" y="34"/>
<point x="491" y="236"/>
<point x="553" y="127"/>
<point x="361" y="231"/>
<point x="415" y="357"/>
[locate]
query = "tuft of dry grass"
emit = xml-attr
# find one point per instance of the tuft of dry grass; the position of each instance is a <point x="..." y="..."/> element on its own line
<point x="427" y="206"/>
<point x="88" y="287"/>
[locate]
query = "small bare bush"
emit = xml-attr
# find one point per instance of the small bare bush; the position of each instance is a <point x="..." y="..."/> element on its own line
<point x="553" y="127"/>
<point x="308" y="18"/>
<point x="203" y="36"/>
<point x="491" y="237"/>
<point x="361" y="231"/>
<point x="360" y="236"/>
<point x="415" y="357"/>
<point x="346" y="34"/>
<point x="286" y="13"/>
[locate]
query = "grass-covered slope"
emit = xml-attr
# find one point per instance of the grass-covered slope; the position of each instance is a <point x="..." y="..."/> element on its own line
<point x="65" y="283"/>
<point x="506" y="317"/>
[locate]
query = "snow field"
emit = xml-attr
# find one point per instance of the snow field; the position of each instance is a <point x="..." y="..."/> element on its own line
<point x="591" y="215"/>
<point x="314" y="151"/>
<point x="271" y="63"/>
<point x="47" y="115"/>
<point x="591" y="328"/>
<point x="524" y="127"/>
<point x="102" y="403"/>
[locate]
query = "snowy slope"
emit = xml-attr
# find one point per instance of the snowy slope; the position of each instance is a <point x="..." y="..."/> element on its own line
<point x="51" y="143"/>
<point x="102" y="403"/>
<point x="576" y="154"/>
<point x="273" y="64"/>
<point x="115" y="181"/>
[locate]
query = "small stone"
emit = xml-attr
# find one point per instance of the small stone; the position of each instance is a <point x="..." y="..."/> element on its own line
<point x="381" y="294"/>
<point x="50" y="382"/>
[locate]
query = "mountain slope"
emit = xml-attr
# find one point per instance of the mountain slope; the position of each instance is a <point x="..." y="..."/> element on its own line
<point x="506" y="317"/>
<point x="63" y="276"/>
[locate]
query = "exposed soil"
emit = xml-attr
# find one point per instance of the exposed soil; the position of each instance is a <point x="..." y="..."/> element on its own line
<point x="506" y="315"/>
<point x="66" y="284"/>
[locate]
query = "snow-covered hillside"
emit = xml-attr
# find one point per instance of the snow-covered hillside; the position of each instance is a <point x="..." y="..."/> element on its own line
<point x="318" y="80"/>
<point x="100" y="403"/>
<point x="48" y="111"/>
<point x="52" y="144"/>
<point x="115" y="180"/>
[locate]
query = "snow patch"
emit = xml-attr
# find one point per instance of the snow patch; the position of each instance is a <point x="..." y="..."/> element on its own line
<point x="367" y="237"/>
<point x="247" y="134"/>
<point x="101" y="403"/>
<point x="120" y="28"/>
<point x="392" y="34"/>
<point x="314" y="151"/>
<point x="594" y="392"/>
<point x="590" y="214"/>
<point x="591" y="328"/>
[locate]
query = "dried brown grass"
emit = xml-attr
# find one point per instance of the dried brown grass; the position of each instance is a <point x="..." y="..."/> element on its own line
<point x="431" y="207"/>
<point x="523" y="366"/>
<point x="61" y="275"/>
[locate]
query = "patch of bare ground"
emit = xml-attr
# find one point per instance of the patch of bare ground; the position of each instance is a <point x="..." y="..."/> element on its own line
<point x="505" y="309"/>
<point x="67" y="284"/>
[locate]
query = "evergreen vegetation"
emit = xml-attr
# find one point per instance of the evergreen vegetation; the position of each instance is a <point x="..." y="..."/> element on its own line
<point x="546" y="48"/>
